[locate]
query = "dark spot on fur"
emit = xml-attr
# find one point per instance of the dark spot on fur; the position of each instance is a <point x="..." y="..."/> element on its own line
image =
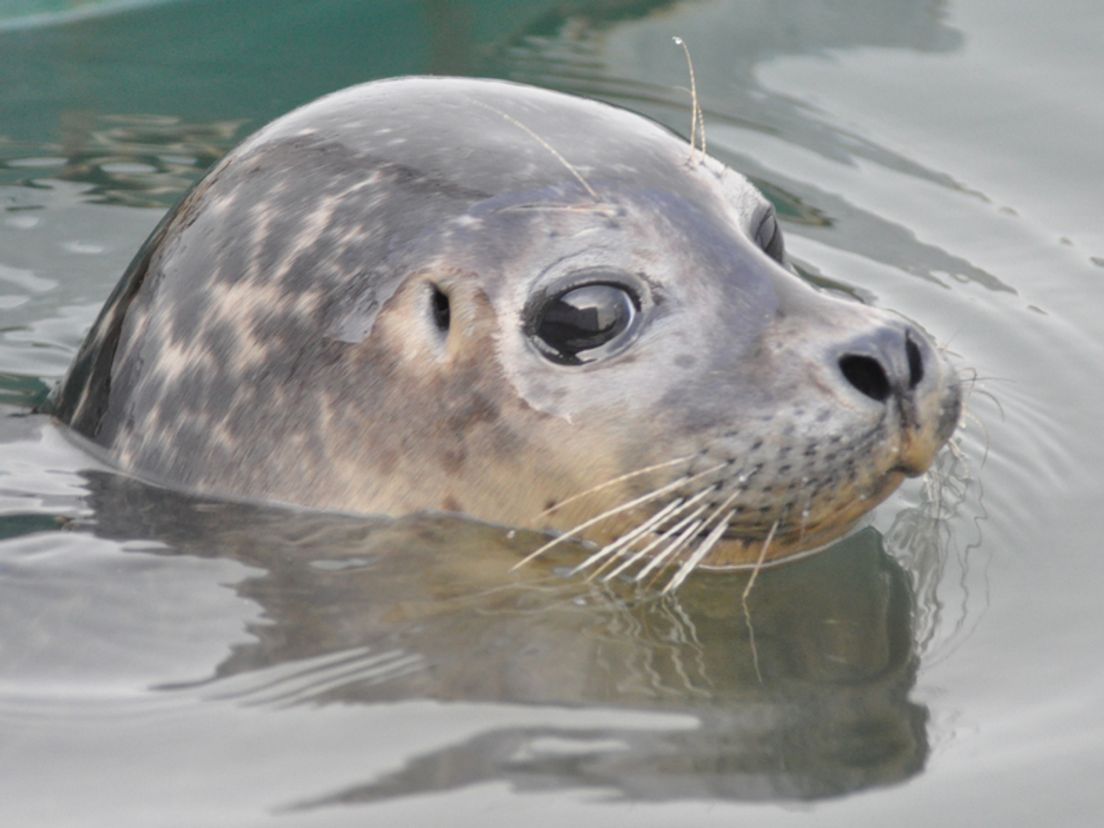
<point x="685" y="361"/>
<point x="451" y="504"/>
<point x="476" y="408"/>
<point x="452" y="460"/>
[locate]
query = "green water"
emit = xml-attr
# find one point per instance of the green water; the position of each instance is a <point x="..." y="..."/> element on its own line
<point x="165" y="661"/>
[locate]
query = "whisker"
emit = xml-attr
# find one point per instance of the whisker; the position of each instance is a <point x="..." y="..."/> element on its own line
<point x="683" y="505"/>
<point x="628" y="537"/>
<point x="679" y="542"/>
<point x="698" y="554"/>
<point x="614" y="482"/>
<point x="744" y="601"/>
<point x="723" y="524"/>
<point x="728" y="501"/>
<point x="657" y="542"/>
<point x="991" y="397"/>
<point x="697" y="119"/>
<point x="804" y="519"/>
<point x="632" y="504"/>
<point x="758" y="566"/>
<point x="986" y="442"/>
<point x="705" y="524"/>
<point x="559" y="157"/>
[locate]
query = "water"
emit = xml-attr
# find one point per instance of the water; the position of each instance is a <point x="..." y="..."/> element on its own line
<point x="172" y="661"/>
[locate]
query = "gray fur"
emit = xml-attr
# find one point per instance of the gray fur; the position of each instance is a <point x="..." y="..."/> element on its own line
<point x="274" y="339"/>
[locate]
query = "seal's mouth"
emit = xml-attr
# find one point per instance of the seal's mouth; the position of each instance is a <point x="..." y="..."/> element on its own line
<point x="790" y="536"/>
<point x="753" y="501"/>
<point x="920" y="446"/>
<point x="910" y="469"/>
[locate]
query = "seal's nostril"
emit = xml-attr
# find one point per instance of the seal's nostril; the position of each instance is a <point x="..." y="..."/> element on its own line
<point x="915" y="362"/>
<point x="439" y="307"/>
<point x="867" y="375"/>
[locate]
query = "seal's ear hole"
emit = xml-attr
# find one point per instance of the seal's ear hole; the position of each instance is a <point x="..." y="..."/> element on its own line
<point x="439" y="308"/>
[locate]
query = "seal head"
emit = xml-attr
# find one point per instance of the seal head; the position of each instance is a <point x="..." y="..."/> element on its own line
<point x="535" y="309"/>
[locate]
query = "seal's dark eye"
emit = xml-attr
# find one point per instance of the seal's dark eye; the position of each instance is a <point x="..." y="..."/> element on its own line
<point x="584" y="323"/>
<point x="769" y="237"/>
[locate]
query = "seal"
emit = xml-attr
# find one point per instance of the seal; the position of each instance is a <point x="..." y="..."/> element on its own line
<point x="531" y="308"/>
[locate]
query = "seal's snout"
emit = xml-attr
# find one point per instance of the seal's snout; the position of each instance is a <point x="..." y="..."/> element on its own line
<point x="896" y="366"/>
<point x="888" y="363"/>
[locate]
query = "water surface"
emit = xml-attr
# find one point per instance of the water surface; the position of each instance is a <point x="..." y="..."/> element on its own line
<point x="167" y="660"/>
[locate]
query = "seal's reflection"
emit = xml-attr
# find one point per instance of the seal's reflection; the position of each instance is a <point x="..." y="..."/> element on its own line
<point x="803" y="696"/>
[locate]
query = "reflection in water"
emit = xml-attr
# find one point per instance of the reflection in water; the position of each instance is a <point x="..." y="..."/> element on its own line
<point x="622" y="52"/>
<point x="806" y="696"/>
<point x="941" y="574"/>
<point x="129" y="160"/>
<point x="354" y="612"/>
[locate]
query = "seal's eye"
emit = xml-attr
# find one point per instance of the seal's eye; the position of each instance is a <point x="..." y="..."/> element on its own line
<point x="769" y="237"/>
<point x="584" y="323"/>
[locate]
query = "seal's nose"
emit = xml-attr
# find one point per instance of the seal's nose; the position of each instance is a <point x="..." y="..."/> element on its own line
<point x="886" y="364"/>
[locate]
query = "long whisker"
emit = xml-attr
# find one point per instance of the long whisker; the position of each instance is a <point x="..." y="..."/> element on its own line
<point x="679" y="542"/>
<point x="632" y="504"/>
<point x="703" y="526"/>
<point x="666" y="536"/>
<point x="724" y="524"/>
<point x="728" y="501"/>
<point x="614" y="482"/>
<point x="628" y="537"/>
<point x="681" y="504"/>
<point x="698" y="554"/>
<point x="744" y="600"/>
<point x="697" y="120"/>
<point x="758" y="567"/>
<point x="559" y="157"/>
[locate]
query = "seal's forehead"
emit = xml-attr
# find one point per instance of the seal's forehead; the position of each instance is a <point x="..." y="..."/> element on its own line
<point x="493" y="136"/>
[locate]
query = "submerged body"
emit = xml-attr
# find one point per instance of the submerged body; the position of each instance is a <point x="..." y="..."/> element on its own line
<point x="531" y="308"/>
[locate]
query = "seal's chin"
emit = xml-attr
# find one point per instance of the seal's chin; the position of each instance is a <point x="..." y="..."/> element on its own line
<point x="744" y="547"/>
